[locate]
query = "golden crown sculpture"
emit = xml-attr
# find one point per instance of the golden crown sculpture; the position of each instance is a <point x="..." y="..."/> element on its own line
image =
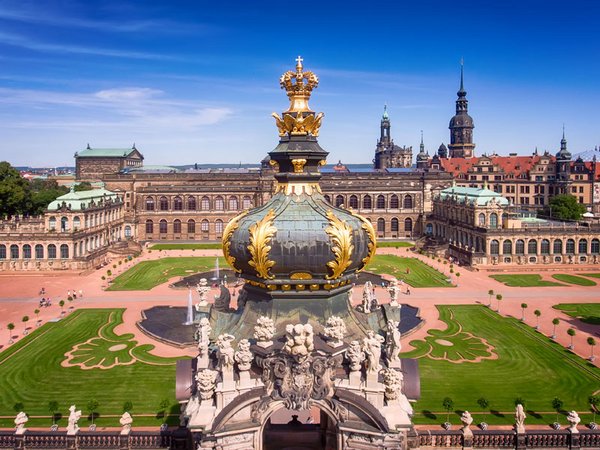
<point x="299" y="119"/>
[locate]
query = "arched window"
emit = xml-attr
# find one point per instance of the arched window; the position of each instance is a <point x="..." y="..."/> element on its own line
<point x="327" y="198"/>
<point x="177" y="204"/>
<point x="51" y="251"/>
<point x="76" y="223"/>
<point x="353" y="202"/>
<point x="64" y="224"/>
<point x="14" y="251"/>
<point x="394" y="224"/>
<point x="149" y="226"/>
<point x="52" y="223"/>
<point x="520" y="247"/>
<point x="532" y="247"/>
<point x="219" y="203"/>
<point x="204" y="226"/>
<point x="39" y="251"/>
<point x="429" y="229"/>
<point x="408" y="202"/>
<point x="596" y="246"/>
<point x="191" y="226"/>
<point x="2" y="251"/>
<point x="408" y="224"/>
<point x="233" y="203"/>
<point x="27" y="251"/>
<point x="246" y="202"/>
<point x="149" y="203"/>
<point x="394" y="202"/>
<point x="164" y="203"/>
<point x="570" y="247"/>
<point x="381" y="225"/>
<point x="191" y="203"/>
<point x="177" y="226"/>
<point x="367" y="202"/>
<point x="380" y="202"/>
<point x="493" y="220"/>
<point x="557" y="247"/>
<point x="481" y="220"/>
<point x="545" y="248"/>
<point x="219" y="227"/>
<point x="205" y="203"/>
<point x="339" y="200"/>
<point x="64" y="251"/>
<point x="127" y="231"/>
<point x="583" y="246"/>
<point x="494" y="247"/>
<point x="507" y="247"/>
<point x="162" y="226"/>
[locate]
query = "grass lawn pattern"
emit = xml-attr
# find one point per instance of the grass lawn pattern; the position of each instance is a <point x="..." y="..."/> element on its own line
<point x="33" y="373"/>
<point x="527" y="280"/>
<point x="592" y="275"/>
<point x="148" y="274"/>
<point x="573" y="279"/>
<point x="421" y="275"/>
<point x="395" y="244"/>
<point x="182" y="246"/>
<point x="586" y="312"/>
<point x="529" y="365"/>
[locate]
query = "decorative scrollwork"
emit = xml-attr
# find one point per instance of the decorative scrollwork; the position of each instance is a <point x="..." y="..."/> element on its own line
<point x="229" y="229"/>
<point x="372" y="245"/>
<point x="260" y="236"/>
<point x="341" y="236"/>
<point x="308" y="123"/>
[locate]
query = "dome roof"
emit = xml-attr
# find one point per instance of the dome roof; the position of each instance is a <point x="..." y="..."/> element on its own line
<point x="461" y="120"/>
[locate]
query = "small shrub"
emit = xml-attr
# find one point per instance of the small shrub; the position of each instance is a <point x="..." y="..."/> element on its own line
<point x="103" y="278"/>
<point x="109" y="272"/>
<point x="114" y="266"/>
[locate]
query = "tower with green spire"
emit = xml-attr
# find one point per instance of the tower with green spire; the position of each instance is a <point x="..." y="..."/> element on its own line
<point x="563" y="167"/>
<point x="461" y="125"/>
<point x="386" y="153"/>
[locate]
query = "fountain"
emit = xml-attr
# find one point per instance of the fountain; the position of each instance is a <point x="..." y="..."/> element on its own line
<point x="217" y="270"/>
<point x="190" y="310"/>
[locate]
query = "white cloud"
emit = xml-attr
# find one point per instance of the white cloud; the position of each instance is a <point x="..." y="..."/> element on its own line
<point x="127" y="94"/>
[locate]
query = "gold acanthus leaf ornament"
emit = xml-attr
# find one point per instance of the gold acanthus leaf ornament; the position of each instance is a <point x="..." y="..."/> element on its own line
<point x="341" y="237"/>
<point x="260" y="237"/>
<point x="226" y="241"/>
<point x="372" y="245"/>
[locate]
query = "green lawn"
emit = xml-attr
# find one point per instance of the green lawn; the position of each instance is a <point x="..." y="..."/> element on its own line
<point x="148" y="274"/>
<point x="592" y="275"/>
<point x="520" y="280"/>
<point x="527" y="365"/>
<point x="573" y="279"/>
<point x="199" y="246"/>
<point x="586" y="312"/>
<point x="395" y="244"/>
<point x="420" y="274"/>
<point x="32" y="373"/>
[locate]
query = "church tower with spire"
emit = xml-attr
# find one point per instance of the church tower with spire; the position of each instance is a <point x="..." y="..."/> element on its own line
<point x="386" y="153"/>
<point x="461" y="125"/>
<point x="563" y="167"/>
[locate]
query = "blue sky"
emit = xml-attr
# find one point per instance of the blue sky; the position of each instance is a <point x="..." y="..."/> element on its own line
<point x="196" y="81"/>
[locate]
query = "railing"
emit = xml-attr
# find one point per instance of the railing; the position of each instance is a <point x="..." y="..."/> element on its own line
<point x="86" y="440"/>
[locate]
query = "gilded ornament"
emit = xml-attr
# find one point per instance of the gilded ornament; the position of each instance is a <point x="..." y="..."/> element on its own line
<point x="298" y="188"/>
<point x="372" y="245"/>
<point x="341" y="236"/>
<point x="302" y="124"/>
<point x="322" y="162"/>
<point x="298" y="165"/>
<point x="226" y="240"/>
<point x="301" y="276"/>
<point x="274" y="164"/>
<point x="260" y="237"/>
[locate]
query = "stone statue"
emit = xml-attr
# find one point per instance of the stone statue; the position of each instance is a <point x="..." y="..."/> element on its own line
<point x="520" y="419"/>
<point x="392" y="380"/>
<point x="20" y="422"/>
<point x="243" y="356"/>
<point x="394" y="290"/>
<point x="74" y="416"/>
<point x="392" y="343"/>
<point x="466" y="421"/>
<point x="203" y="289"/>
<point x="368" y="297"/>
<point x="206" y="381"/>
<point x="223" y="299"/>
<point x="203" y="336"/>
<point x="242" y="299"/>
<point x="573" y="419"/>
<point x="355" y="356"/>
<point x="372" y="348"/>
<point x="264" y="331"/>
<point x="225" y="352"/>
<point x="126" y="420"/>
<point x="335" y="331"/>
<point x="300" y="339"/>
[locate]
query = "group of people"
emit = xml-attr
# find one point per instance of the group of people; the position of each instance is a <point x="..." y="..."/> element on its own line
<point x="46" y="301"/>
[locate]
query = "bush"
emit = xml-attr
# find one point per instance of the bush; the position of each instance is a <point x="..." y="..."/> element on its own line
<point x="120" y="262"/>
<point x="109" y="272"/>
<point x="103" y="278"/>
<point x="114" y="266"/>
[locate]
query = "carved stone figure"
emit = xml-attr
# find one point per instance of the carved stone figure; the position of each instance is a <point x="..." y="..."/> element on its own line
<point x="466" y="421"/>
<point x="335" y="331"/>
<point x="223" y="299"/>
<point x="242" y="299"/>
<point x="367" y="297"/>
<point x="20" y="422"/>
<point x="392" y="380"/>
<point x="520" y="419"/>
<point x="126" y="420"/>
<point x="203" y="336"/>
<point x="392" y="343"/>
<point x="243" y="356"/>
<point x="203" y="289"/>
<point x="394" y="289"/>
<point x="372" y="348"/>
<point x="355" y="355"/>
<point x="74" y="416"/>
<point x="225" y="352"/>
<point x="573" y="419"/>
<point x="264" y="331"/>
<point x="300" y="339"/>
<point x="206" y="382"/>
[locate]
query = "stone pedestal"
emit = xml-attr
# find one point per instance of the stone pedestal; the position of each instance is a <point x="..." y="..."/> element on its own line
<point x="354" y="379"/>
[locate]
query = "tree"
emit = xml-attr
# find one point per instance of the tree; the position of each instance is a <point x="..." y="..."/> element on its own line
<point x="520" y="401"/>
<point x="523" y="308"/>
<point x="10" y="327"/>
<point x="43" y="193"/>
<point x="571" y="332"/>
<point x="15" y="193"/>
<point x="483" y="403"/>
<point x="37" y="313"/>
<point x="62" y="305"/>
<point x="564" y="207"/>
<point x="499" y="298"/>
<point x="83" y="186"/>
<point x="53" y="407"/>
<point x="591" y="342"/>
<point x="490" y="293"/>
<point x="127" y="406"/>
<point x="557" y="405"/>
<point x="537" y="313"/>
<point x="448" y="404"/>
<point x="92" y="407"/>
<point x="25" y="319"/>
<point x="18" y="407"/>
<point x="555" y="322"/>
<point x="594" y="401"/>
